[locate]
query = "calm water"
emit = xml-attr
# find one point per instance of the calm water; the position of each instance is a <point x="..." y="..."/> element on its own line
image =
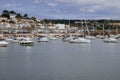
<point x="58" y="60"/>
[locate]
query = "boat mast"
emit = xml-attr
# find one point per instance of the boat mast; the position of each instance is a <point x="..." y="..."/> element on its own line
<point x="83" y="16"/>
<point x="82" y="21"/>
<point x="103" y="30"/>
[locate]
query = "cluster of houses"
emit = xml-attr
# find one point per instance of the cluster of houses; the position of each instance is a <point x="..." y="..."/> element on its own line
<point x="21" y="30"/>
<point x="29" y="26"/>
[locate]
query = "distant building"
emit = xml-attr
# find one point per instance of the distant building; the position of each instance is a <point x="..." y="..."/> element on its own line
<point x="114" y="24"/>
<point x="60" y="26"/>
<point x="12" y="16"/>
<point x="3" y="18"/>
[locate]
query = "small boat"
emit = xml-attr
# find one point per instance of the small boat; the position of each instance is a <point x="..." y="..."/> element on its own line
<point x="100" y="36"/>
<point x="67" y="38"/>
<point x="80" y="40"/>
<point x="26" y="42"/>
<point x="3" y="43"/>
<point x="43" y="39"/>
<point x="110" y="40"/>
<point x="52" y="37"/>
<point x="90" y="37"/>
<point x="9" y="39"/>
<point x="15" y="40"/>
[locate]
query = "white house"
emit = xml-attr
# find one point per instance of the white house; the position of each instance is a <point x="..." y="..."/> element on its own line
<point x="12" y="16"/>
<point x="60" y="26"/>
<point x="3" y="18"/>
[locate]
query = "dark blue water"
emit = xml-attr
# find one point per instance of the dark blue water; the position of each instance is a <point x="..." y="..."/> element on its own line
<point x="58" y="60"/>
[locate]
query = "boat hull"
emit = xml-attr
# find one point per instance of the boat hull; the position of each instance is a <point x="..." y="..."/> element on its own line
<point x="110" y="40"/>
<point x="80" y="40"/>
<point x="3" y="44"/>
<point x="27" y="43"/>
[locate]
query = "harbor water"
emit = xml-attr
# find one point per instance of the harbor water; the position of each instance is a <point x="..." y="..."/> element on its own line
<point x="58" y="60"/>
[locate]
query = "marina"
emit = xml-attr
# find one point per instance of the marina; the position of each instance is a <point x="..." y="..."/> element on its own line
<point x="59" y="60"/>
<point x="59" y="40"/>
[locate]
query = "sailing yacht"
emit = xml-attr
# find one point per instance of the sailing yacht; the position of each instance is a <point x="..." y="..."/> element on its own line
<point x="43" y="39"/>
<point x="3" y="43"/>
<point x="80" y="40"/>
<point x="50" y="37"/>
<point x="68" y="38"/>
<point x="90" y="37"/>
<point x="110" y="40"/>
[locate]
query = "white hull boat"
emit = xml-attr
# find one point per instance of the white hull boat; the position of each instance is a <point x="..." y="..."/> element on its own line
<point x="90" y="37"/>
<point x="43" y="39"/>
<point x="68" y="38"/>
<point x="52" y="37"/>
<point x="3" y="44"/>
<point x="80" y="40"/>
<point x="110" y="40"/>
<point x="100" y="36"/>
<point x="26" y="42"/>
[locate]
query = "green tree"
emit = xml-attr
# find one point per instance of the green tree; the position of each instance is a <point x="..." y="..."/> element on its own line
<point x="18" y="15"/>
<point x="6" y="14"/>
<point x="26" y="16"/>
<point x="12" y="12"/>
<point x="5" y="11"/>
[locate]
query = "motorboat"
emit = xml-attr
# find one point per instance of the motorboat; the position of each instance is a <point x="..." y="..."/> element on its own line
<point x="52" y="37"/>
<point x="3" y="43"/>
<point x="90" y="37"/>
<point x="15" y="40"/>
<point x="100" y="36"/>
<point x="80" y="40"/>
<point x="110" y="40"/>
<point x="67" y="38"/>
<point x="26" y="42"/>
<point x="43" y="39"/>
<point x="9" y="39"/>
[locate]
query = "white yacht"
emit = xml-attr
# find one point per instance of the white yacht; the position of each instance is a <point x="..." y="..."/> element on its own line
<point x="43" y="39"/>
<point x="15" y="40"/>
<point x="68" y="38"/>
<point x="9" y="38"/>
<point x="110" y="40"/>
<point x="100" y="36"/>
<point x="3" y="43"/>
<point x="26" y="42"/>
<point x="52" y="37"/>
<point x="90" y="37"/>
<point x="80" y="40"/>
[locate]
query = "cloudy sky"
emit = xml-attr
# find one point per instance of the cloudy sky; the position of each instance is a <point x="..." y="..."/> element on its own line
<point x="65" y="9"/>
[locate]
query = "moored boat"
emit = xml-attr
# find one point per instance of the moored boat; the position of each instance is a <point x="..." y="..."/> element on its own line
<point x="26" y="42"/>
<point x="100" y="36"/>
<point x="43" y="39"/>
<point x="80" y="40"/>
<point x="110" y="40"/>
<point x="52" y="37"/>
<point x="3" y="43"/>
<point x="68" y="38"/>
<point x="90" y="37"/>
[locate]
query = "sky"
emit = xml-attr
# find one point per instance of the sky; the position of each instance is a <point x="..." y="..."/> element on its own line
<point x="64" y="9"/>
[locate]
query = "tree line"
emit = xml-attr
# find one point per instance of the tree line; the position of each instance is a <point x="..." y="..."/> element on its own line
<point x="6" y="13"/>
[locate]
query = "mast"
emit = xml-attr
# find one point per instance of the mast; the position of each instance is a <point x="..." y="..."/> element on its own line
<point x="83" y="15"/>
<point x="103" y="30"/>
